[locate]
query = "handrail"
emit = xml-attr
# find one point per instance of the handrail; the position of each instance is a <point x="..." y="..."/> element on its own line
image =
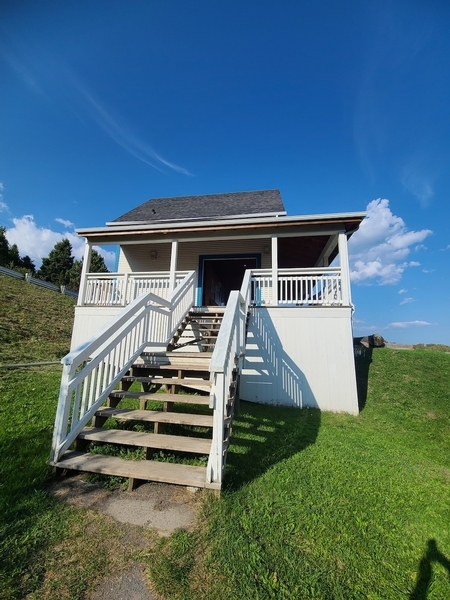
<point x="119" y="289"/>
<point x="227" y="356"/>
<point x="93" y="370"/>
<point x="317" y="286"/>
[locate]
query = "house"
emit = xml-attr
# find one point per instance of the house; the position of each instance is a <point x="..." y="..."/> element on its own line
<point x="224" y="294"/>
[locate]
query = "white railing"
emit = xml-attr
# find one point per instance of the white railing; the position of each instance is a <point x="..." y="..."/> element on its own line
<point x="227" y="356"/>
<point x="94" y="369"/>
<point x="119" y="289"/>
<point x="298" y="287"/>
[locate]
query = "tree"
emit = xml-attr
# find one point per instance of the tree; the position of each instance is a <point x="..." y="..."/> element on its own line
<point x="97" y="266"/>
<point x="57" y="265"/>
<point x="4" y="248"/>
<point x="14" y="257"/>
<point x="10" y="257"/>
<point x="28" y="264"/>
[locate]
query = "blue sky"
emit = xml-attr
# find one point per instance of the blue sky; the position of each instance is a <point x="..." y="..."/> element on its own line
<point x="343" y="106"/>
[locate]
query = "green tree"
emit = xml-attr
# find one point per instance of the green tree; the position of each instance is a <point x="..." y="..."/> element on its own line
<point x="57" y="265"/>
<point x="14" y="257"/>
<point x="10" y="257"/>
<point x="4" y="248"/>
<point x="97" y="266"/>
<point x="28" y="264"/>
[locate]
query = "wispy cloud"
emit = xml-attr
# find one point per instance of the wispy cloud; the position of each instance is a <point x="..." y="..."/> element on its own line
<point x="52" y="79"/>
<point x="406" y="324"/>
<point x="402" y="291"/>
<point x="64" y="222"/>
<point x="36" y="242"/>
<point x="446" y="248"/>
<point x="388" y="137"/>
<point x="3" y="206"/>
<point x="117" y="130"/>
<point x="380" y="248"/>
<point x="418" y="179"/>
<point x="407" y="301"/>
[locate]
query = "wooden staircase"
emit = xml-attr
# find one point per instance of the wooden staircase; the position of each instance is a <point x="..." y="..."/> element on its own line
<point x="161" y="408"/>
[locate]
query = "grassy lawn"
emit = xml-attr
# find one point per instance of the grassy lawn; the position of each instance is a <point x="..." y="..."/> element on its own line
<point x="35" y="323"/>
<point x="329" y="506"/>
<point x="315" y="505"/>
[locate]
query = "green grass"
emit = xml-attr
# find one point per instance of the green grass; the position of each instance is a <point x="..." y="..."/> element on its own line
<point x="315" y="505"/>
<point x="48" y="550"/>
<point x="331" y="506"/>
<point x="35" y="324"/>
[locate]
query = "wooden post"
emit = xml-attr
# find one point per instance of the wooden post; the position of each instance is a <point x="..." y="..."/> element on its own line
<point x="84" y="271"/>
<point x="345" y="269"/>
<point x="274" y="270"/>
<point x="173" y="265"/>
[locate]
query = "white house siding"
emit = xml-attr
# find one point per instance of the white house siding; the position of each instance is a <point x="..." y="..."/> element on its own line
<point x="136" y="258"/>
<point x="300" y="357"/>
<point x="89" y="320"/>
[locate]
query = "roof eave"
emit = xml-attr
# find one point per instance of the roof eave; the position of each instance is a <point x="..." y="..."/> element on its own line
<point x="196" y="225"/>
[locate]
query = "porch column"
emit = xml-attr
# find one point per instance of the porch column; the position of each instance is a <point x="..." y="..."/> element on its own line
<point x="85" y="266"/>
<point x="345" y="269"/>
<point x="274" y="270"/>
<point x="173" y="265"/>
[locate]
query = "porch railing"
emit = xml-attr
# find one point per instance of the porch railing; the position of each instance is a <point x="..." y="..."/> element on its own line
<point x="93" y="370"/>
<point x="119" y="289"/>
<point x="227" y="357"/>
<point x="298" y="287"/>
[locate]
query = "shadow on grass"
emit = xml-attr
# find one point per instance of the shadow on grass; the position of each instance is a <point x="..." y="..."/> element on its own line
<point x="425" y="571"/>
<point x="363" y="360"/>
<point x="264" y="436"/>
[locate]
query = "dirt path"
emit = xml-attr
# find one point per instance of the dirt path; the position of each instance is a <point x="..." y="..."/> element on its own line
<point x="158" y="507"/>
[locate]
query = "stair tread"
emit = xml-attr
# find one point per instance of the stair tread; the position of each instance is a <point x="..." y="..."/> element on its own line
<point x="146" y="470"/>
<point x="181" y="398"/>
<point x="155" y="416"/>
<point x="147" y="440"/>
<point x="168" y="380"/>
<point x="171" y="354"/>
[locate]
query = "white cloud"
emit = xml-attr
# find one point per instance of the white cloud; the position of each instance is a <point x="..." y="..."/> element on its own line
<point x="402" y="291"/>
<point x="407" y="301"/>
<point x="36" y="242"/>
<point x="405" y="324"/>
<point x="380" y="248"/>
<point x="64" y="222"/>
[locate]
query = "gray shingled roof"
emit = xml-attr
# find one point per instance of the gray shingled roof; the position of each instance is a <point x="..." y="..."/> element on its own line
<point x="211" y="206"/>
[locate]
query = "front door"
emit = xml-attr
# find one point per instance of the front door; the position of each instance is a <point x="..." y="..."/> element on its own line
<point x="219" y="275"/>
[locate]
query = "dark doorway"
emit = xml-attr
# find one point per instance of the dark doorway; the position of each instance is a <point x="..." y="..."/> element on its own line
<point x="220" y="276"/>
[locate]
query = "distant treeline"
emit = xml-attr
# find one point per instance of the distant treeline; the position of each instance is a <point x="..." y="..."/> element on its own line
<point x="59" y="267"/>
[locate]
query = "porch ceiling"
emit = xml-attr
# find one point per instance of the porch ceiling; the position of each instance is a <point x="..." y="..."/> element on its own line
<point x="302" y="252"/>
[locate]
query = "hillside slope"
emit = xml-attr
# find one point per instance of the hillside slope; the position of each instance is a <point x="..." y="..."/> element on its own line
<point x="35" y="323"/>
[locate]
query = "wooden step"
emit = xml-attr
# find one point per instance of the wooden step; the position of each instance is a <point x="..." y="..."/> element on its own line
<point x="168" y="380"/>
<point x="188" y="364"/>
<point x="146" y="440"/>
<point x="145" y="470"/>
<point x="155" y="416"/>
<point x="179" y="398"/>
<point x="170" y="355"/>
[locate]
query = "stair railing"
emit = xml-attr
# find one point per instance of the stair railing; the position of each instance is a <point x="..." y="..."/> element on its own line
<point x="93" y="370"/>
<point x="227" y="357"/>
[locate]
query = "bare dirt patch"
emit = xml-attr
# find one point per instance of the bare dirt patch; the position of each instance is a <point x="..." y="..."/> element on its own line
<point x="151" y="511"/>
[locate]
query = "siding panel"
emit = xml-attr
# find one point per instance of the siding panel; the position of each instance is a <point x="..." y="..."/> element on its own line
<point x="301" y="357"/>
